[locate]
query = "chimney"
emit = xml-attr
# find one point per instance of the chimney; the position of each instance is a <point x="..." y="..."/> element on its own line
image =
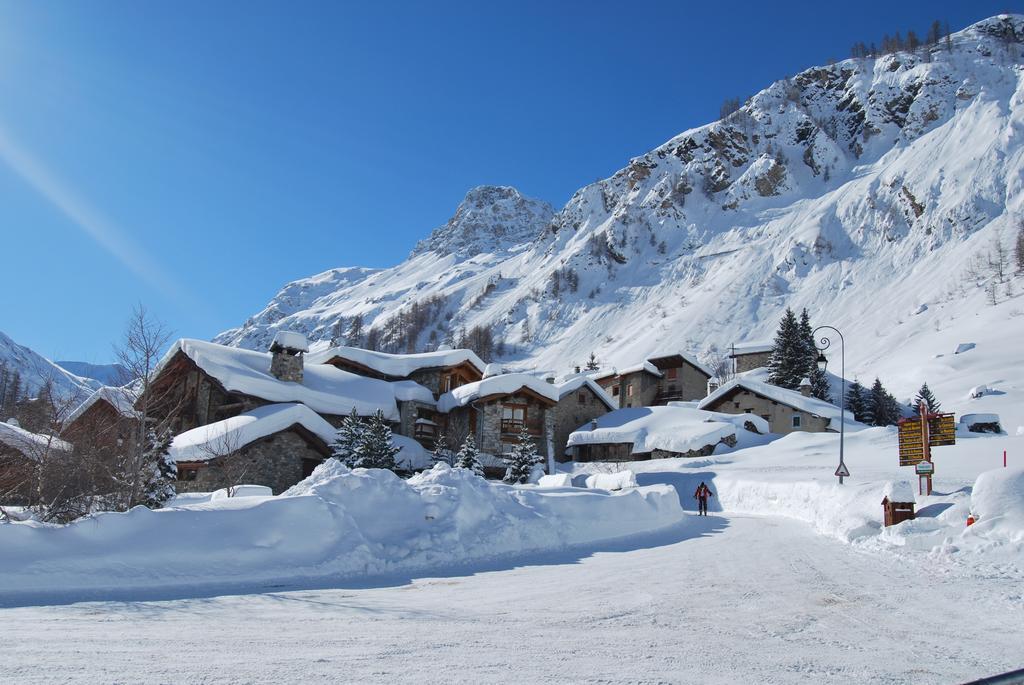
<point x="805" y="387"/>
<point x="713" y="385"/>
<point x="593" y="424"/>
<point x="550" y="378"/>
<point x="577" y="369"/>
<point x="286" y="356"/>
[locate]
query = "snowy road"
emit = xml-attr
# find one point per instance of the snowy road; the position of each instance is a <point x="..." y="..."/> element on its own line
<point x="756" y="600"/>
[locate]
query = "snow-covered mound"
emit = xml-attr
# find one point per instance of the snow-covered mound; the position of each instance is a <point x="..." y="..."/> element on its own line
<point x="997" y="500"/>
<point x="328" y="526"/>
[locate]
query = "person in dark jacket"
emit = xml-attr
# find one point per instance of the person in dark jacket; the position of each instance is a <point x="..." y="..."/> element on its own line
<point x="701" y="495"/>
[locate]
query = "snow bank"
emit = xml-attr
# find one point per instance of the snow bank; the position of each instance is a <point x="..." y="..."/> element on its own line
<point x="242" y="491"/>
<point x="555" y="480"/>
<point x="997" y="501"/>
<point x="335" y="524"/>
<point x="612" y="481"/>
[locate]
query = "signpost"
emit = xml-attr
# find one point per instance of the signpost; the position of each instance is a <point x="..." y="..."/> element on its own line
<point x="842" y="472"/>
<point x="917" y="438"/>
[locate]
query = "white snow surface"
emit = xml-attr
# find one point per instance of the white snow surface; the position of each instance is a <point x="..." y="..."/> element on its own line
<point x="328" y="526"/>
<point x="122" y="399"/>
<point x="221" y="437"/>
<point x="290" y="340"/>
<point x="673" y="429"/>
<point x="504" y="384"/>
<point x="398" y="365"/>
<point x="30" y="444"/>
<point x="35" y="370"/>
<point x="612" y="481"/>
<point x="324" y="388"/>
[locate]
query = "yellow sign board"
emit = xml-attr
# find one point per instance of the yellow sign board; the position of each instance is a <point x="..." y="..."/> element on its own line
<point x="942" y="430"/>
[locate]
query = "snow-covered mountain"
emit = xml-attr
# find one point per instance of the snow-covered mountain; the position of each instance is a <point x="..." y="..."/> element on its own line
<point x="870" y="191"/>
<point x="34" y="370"/>
<point x="107" y="374"/>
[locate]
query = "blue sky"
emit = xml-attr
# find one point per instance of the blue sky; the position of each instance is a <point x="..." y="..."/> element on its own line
<point x="196" y="156"/>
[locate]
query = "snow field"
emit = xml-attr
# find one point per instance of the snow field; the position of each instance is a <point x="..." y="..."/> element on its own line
<point x="328" y="526"/>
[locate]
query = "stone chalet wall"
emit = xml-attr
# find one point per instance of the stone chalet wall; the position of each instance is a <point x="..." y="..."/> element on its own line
<point x="779" y="416"/>
<point x="645" y="389"/>
<point x="428" y="378"/>
<point x="754" y="360"/>
<point x="278" y="461"/>
<point x="569" y="415"/>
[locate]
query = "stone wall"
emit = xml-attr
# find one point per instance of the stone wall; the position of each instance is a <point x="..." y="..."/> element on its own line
<point x="278" y="461"/>
<point x="286" y="366"/>
<point x="779" y="416"/>
<point x="569" y="415"/>
<point x="645" y="389"/>
<point x="754" y="360"/>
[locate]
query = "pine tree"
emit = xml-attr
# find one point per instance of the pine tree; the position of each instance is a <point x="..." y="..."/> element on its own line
<point x="442" y="453"/>
<point x="164" y="470"/>
<point x="376" y="449"/>
<point x="355" y="331"/>
<point x="819" y="384"/>
<point x="1018" y="249"/>
<point x="522" y="459"/>
<point x="592" y="364"/>
<point x="347" y="439"/>
<point x="882" y="409"/>
<point x="856" y="403"/>
<point x="468" y="457"/>
<point x="925" y="395"/>
<point x="788" y="363"/>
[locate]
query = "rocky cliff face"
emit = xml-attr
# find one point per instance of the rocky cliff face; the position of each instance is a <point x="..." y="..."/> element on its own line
<point x="864" y="191"/>
<point x="492" y="219"/>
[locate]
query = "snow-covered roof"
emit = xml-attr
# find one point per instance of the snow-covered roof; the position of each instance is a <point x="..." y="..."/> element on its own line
<point x="898" y="491"/>
<point x="791" y="398"/>
<point x="30" y="444"/>
<point x="411" y="391"/>
<point x="688" y="358"/>
<point x="221" y="437"/>
<point x="121" y="399"/>
<point x="751" y="347"/>
<point x="215" y="439"/>
<point x="398" y="365"/>
<point x="673" y="429"/>
<point x="644" y="366"/>
<point x="506" y="384"/>
<point x="324" y="388"/>
<point x="574" y="384"/>
<point x="290" y="340"/>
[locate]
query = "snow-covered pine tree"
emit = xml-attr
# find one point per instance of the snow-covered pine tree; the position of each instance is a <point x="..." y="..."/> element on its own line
<point x="925" y="395"/>
<point x="856" y="403"/>
<point x="442" y="453"/>
<point x="164" y="470"/>
<point x="522" y="459"/>
<point x="376" y="449"/>
<point x="347" y="439"/>
<point x="592" y="364"/>
<point x="469" y="457"/>
<point x="819" y="379"/>
<point x="788" y="363"/>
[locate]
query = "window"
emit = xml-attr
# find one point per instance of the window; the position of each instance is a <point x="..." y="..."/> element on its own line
<point x="513" y="418"/>
<point x="766" y="417"/>
<point x="629" y="390"/>
<point x="796" y="421"/>
<point x="582" y="397"/>
<point x="748" y="410"/>
<point x="188" y="472"/>
<point x="671" y="373"/>
<point x="615" y="391"/>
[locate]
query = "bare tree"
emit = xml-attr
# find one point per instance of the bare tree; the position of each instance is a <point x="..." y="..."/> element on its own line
<point x="225" y="456"/>
<point x="998" y="259"/>
<point x="141" y="348"/>
<point x="1019" y="248"/>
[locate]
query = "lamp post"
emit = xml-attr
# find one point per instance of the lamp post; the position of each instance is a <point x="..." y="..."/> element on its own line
<point x="821" y="345"/>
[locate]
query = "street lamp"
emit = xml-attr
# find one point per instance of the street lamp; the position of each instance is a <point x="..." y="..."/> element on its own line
<point x="821" y="345"/>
